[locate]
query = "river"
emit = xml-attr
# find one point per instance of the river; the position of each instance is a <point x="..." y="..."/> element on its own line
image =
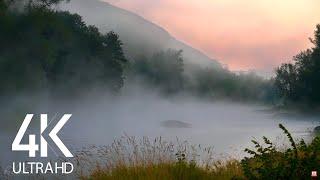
<point x="227" y="127"/>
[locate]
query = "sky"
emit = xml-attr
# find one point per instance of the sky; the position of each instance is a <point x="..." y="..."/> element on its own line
<point x="242" y="34"/>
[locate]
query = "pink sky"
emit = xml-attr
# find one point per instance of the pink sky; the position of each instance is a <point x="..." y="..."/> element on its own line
<point x="243" y="34"/>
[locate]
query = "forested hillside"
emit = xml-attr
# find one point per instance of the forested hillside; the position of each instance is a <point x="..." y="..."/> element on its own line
<point x="45" y="49"/>
<point x="139" y="36"/>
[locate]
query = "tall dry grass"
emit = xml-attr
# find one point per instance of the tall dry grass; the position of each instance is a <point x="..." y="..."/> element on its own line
<point x="179" y="170"/>
<point x="132" y="158"/>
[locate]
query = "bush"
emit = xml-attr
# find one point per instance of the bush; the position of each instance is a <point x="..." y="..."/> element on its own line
<point x="296" y="162"/>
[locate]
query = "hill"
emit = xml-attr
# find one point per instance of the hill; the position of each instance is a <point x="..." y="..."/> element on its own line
<point x="140" y="37"/>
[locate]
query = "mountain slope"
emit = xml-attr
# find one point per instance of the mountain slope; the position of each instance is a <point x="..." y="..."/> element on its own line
<point x="140" y="37"/>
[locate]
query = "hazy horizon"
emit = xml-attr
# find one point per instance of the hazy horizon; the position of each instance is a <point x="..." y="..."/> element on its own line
<point x="243" y="35"/>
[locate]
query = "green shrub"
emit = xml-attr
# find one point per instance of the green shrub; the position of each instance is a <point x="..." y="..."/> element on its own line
<point x="296" y="162"/>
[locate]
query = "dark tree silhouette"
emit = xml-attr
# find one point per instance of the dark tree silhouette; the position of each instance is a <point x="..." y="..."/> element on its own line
<point x="47" y="49"/>
<point x="299" y="81"/>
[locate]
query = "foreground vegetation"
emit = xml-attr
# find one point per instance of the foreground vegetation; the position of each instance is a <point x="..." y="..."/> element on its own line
<point x="171" y="171"/>
<point x="132" y="159"/>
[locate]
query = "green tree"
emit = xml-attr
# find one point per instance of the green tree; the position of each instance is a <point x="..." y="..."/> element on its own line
<point x="299" y="81"/>
<point x="57" y="51"/>
<point x="163" y="70"/>
<point x="3" y="7"/>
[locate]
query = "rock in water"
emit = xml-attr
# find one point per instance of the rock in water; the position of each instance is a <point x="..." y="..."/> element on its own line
<point x="175" y="124"/>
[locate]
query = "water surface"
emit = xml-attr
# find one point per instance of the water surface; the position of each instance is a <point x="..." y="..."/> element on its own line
<point x="228" y="127"/>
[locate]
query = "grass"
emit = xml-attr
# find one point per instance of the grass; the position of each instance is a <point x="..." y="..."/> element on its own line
<point x="129" y="158"/>
<point x="178" y="170"/>
<point x="132" y="159"/>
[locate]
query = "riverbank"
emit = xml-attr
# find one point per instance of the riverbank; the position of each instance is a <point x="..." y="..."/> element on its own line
<point x="265" y="161"/>
<point x="132" y="158"/>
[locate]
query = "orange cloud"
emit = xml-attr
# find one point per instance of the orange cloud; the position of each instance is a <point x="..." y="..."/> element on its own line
<point x="244" y="34"/>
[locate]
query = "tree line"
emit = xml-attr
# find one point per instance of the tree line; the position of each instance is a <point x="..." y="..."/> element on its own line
<point x="299" y="81"/>
<point x="42" y="48"/>
<point x="45" y="49"/>
<point x="166" y="72"/>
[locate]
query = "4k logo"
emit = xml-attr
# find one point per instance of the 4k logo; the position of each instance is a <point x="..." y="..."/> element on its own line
<point x="32" y="147"/>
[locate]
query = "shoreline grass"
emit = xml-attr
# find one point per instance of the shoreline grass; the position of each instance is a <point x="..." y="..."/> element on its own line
<point x="177" y="170"/>
<point x="129" y="158"/>
<point x="265" y="161"/>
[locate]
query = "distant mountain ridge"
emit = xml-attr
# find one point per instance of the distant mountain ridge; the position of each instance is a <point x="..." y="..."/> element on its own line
<point x="140" y="36"/>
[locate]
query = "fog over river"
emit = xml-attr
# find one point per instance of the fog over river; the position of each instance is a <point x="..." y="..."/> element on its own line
<point x="226" y="126"/>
